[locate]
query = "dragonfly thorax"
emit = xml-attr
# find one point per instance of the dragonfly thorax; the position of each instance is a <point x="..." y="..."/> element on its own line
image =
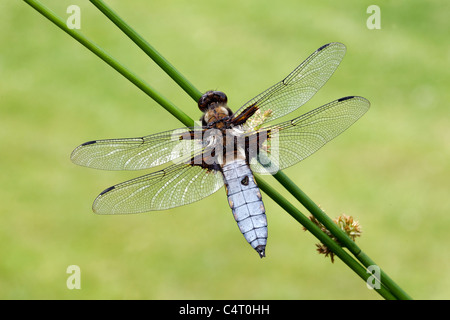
<point x="216" y="111"/>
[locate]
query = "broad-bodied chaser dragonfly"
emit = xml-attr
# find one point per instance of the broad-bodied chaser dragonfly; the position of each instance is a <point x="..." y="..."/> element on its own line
<point x="227" y="148"/>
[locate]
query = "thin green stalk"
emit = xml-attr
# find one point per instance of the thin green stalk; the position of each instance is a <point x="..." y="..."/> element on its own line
<point x="149" y="50"/>
<point x="194" y="93"/>
<point x="342" y="237"/>
<point x="319" y="234"/>
<point x="102" y="54"/>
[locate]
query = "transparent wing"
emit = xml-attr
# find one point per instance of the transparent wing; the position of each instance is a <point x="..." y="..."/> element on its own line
<point x="292" y="141"/>
<point x="138" y="153"/>
<point x="298" y="87"/>
<point x="174" y="186"/>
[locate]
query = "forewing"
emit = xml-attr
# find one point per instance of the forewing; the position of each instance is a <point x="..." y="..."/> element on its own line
<point x="137" y="153"/>
<point x="297" y="88"/>
<point x="292" y="141"/>
<point x="174" y="186"/>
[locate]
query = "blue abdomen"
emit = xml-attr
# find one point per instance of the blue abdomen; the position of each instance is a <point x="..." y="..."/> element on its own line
<point x="244" y="198"/>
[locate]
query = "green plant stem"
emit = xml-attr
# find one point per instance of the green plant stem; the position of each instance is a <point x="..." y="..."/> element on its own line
<point x="317" y="232"/>
<point x="342" y="237"/>
<point x="386" y="292"/>
<point x="102" y="54"/>
<point x="149" y="50"/>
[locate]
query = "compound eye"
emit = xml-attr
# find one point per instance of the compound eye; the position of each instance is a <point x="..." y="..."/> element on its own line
<point x="211" y="97"/>
<point x="203" y="103"/>
<point x="221" y="97"/>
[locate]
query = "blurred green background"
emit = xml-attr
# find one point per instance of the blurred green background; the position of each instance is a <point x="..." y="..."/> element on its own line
<point x="390" y="170"/>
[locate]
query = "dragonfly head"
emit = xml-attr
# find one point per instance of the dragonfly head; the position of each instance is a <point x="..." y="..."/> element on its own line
<point x="210" y="99"/>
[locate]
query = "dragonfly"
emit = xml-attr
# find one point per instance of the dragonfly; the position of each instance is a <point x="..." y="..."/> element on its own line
<point x="227" y="148"/>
